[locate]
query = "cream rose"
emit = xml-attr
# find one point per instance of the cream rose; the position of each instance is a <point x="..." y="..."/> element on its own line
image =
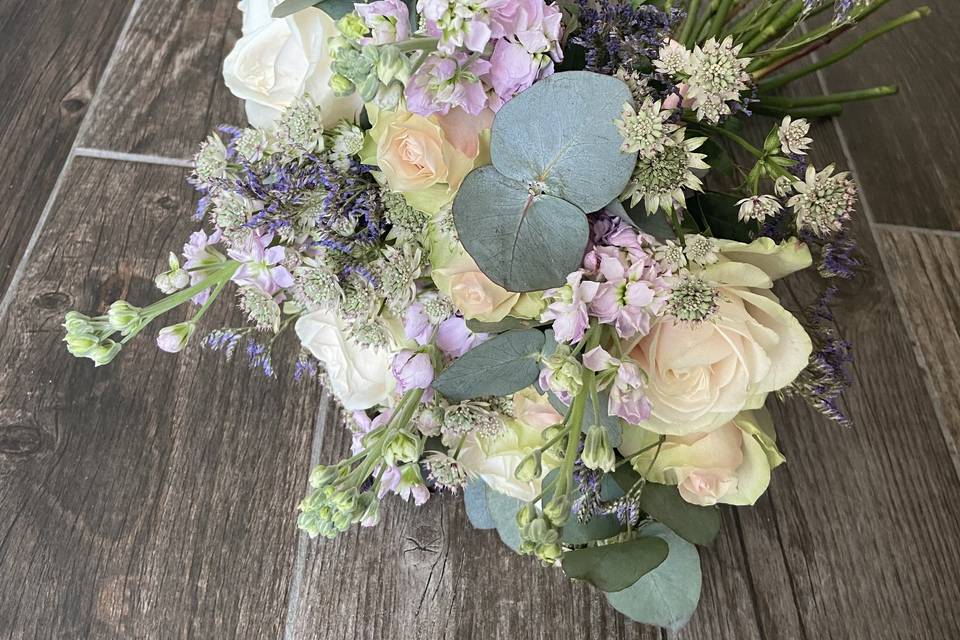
<point x="702" y="375"/>
<point x="360" y="377"/>
<point x="494" y="460"/>
<point x="729" y="465"/>
<point x="280" y="59"/>
<point x="425" y="158"/>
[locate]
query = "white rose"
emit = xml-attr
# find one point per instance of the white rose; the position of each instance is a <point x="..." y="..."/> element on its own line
<point x="280" y="59"/>
<point x="360" y="376"/>
<point x="702" y="375"/>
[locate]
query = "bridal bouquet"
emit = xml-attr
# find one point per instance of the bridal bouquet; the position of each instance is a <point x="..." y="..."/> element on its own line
<point x="531" y="250"/>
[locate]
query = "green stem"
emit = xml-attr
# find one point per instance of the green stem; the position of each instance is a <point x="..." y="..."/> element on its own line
<point x="687" y="31"/>
<point x="780" y="22"/>
<point x="779" y="81"/>
<point x="822" y="111"/>
<point x="417" y="44"/>
<point x="221" y="274"/>
<point x="730" y="135"/>
<point x="829" y="99"/>
<point x="720" y="18"/>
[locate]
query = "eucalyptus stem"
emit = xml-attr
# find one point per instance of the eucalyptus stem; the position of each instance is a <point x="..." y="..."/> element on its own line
<point x="907" y="18"/>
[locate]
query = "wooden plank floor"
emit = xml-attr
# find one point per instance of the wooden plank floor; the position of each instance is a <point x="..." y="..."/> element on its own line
<point x="155" y="498"/>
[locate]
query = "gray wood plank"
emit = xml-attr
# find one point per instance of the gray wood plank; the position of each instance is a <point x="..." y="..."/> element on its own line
<point x="168" y="94"/>
<point x="154" y="498"/>
<point x="907" y="147"/>
<point x="925" y="268"/>
<point x="52" y="55"/>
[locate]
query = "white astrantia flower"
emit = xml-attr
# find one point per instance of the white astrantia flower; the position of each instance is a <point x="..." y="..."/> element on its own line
<point x="635" y="82"/>
<point x="669" y="255"/>
<point x="758" y="208"/>
<point x="716" y="76"/>
<point x="793" y="136"/>
<point x="672" y="59"/>
<point x="824" y="201"/>
<point x="783" y="186"/>
<point x="645" y="130"/>
<point x="700" y="250"/>
<point x="211" y="160"/>
<point x="660" y="180"/>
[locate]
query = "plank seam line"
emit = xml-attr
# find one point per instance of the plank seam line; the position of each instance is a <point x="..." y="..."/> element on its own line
<point x="875" y="227"/>
<point x="21" y="269"/>
<point x="904" y="228"/>
<point x="303" y="541"/>
<point x="142" y="158"/>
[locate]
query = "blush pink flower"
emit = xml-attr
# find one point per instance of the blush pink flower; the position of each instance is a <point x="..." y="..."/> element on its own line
<point x="534" y="24"/>
<point x="513" y="69"/>
<point x="261" y="265"/>
<point x="633" y="293"/>
<point x="412" y="371"/>
<point x="200" y="258"/>
<point x="628" y="399"/>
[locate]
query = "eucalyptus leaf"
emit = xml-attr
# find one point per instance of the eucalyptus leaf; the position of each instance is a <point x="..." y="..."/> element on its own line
<point x="696" y="524"/>
<point x="520" y="240"/>
<point x="598" y="527"/>
<point x="561" y="132"/>
<point x="614" y="567"/>
<point x="475" y="501"/>
<point x="503" y="511"/>
<point x="499" y="327"/>
<point x="498" y="367"/>
<point x="668" y="595"/>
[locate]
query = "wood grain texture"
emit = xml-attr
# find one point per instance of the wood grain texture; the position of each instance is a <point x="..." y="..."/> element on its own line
<point x="925" y="269"/>
<point x="154" y="498"/>
<point x="907" y="147"/>
<point x="168" y="94"/>
<point x="52" y="55"/>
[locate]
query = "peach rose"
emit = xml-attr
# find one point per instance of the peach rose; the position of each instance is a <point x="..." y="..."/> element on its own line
<point x="702" y="375"/>
<point x="729" y="465"/>
<point x="425" y="158"/>
<point x="534" y="410"/>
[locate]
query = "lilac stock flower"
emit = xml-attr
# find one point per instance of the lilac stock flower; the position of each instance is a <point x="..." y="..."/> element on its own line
<point x="388" y="21"/>
<point x="568" y="308"/>
<point x="416" y="324"/>
<point x="461" y="25"/>
<point x="633" y="293"/>
<point x="534" y="24"/>
<point x="261" y="264"/>
<point x="513" y="69"/>
<point x="412" y="371"/>
<point x="627" y="398"/>
<point x="365" y="425"/>
<point x="447" y="82"/>
<point x="200" y="258"/>
<point x="454" y="337"/>
<point x="406" y="482"/>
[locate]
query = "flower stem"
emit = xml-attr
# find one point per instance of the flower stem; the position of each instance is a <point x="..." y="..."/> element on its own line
<point x="781" y="21"/>
<point x="779" y="81"/>
<point x="820" y="111"/>
<point x="687" y="31"/>
<point x="417" y="44"/>
<point x="829" y="99"/>
<point x="720" y="18"/>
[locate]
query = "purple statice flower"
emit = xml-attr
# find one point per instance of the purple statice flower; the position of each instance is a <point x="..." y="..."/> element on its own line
<point x="617" y="34"/>
<point x="305" y="367"/>
<point x="261" y="265"/>
<point x="837" y="259"/>
<point x="412" y="370"/>
<point x="388" y="21"/>
<point x="454" y="337"/>
<point x="224" y="341"/>
<point x="587" y="481"/>
<point x="260" y="357"/>
<point x="568" y="307"/>
<point x="634" y="291"/>
<point x="444" y="82"/>
<point x="200" y="259"/>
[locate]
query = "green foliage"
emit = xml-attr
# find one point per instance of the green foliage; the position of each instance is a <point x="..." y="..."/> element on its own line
<point x="475" y="501"/>
<point x="499" y="327"/>
<point x="503" y="512"/>
<point x="334" y="8"/>
<point x="668" y="595"/>
<point x="614" y="567"/>
<point x="523" y="218"/>
<point x="498" y="367"/>
<point x="716" y="214"/>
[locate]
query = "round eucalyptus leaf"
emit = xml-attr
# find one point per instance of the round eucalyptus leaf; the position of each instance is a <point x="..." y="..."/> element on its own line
<point x="614" y="567"/>
<point x="521" y="240"/>
<point x="560" y="132"/>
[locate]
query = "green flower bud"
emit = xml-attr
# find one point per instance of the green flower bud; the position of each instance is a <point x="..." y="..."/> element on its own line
<point x="174" y="338"/>
<point x="352" y="27"/>
<point x="124" y="317"/>
<point x="80" y="344"/>
<point x="75" y="322"/>
<point x="104" y="353"/>
<point x="321" y="475"/>
<point x="369" y="87"/>
<point x="369" y="514"/>
<point x="530" y="468"/>
<point x="341" y="85"/>
<point x="392" y="65"/>
<point x="526" y="515"/>
<point x="772" y="141"/>
<point x="558" y="510"/>
<point x="597" y="452"/>
<point x="549" y="553"/>
<point x="404" y="447"/>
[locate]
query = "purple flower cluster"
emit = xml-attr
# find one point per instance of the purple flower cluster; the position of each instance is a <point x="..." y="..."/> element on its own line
<point x="618" y="34"/>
